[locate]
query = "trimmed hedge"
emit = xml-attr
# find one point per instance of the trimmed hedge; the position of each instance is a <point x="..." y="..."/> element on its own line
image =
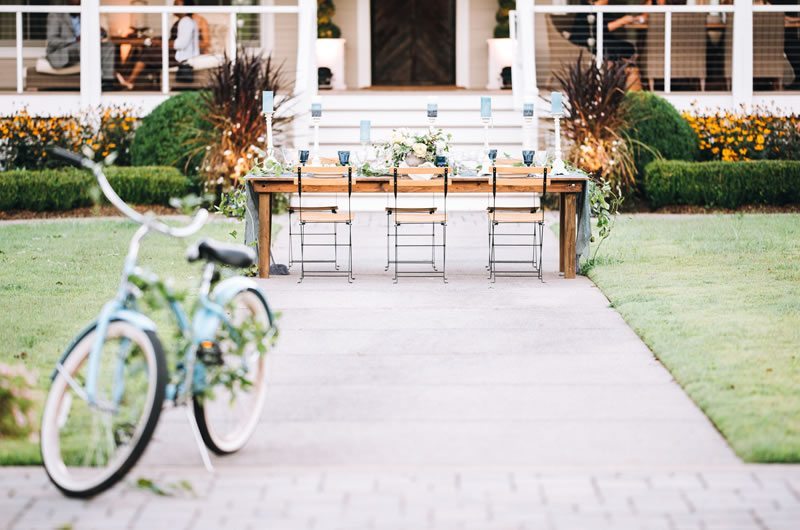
<point x="67" y="188"/>
<point x="722" y="184"/>
<point x="655" y="123"/>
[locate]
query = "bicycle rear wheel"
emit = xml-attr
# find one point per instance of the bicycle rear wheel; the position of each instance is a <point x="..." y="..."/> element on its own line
<point x="227" y="415"/>
<point x="86" y="448"/>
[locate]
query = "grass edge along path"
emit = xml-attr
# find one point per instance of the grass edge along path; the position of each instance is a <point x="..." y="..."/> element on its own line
<point x="717" y="300"/>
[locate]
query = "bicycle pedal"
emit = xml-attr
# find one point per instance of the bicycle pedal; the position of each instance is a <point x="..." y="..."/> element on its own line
<point x="209" y="353"/>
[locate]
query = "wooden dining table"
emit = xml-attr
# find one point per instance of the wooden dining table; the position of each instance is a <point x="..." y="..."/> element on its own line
<point x="567" y="187"/>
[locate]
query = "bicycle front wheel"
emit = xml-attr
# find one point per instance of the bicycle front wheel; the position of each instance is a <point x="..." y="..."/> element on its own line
<point x="89" y="444"/>
<point x="228" y="413"/>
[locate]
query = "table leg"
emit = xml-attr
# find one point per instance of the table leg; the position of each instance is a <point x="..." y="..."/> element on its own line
<point x="264" y="233"/>
<point x="561" y="206"/>
<point x="570" y="234"/>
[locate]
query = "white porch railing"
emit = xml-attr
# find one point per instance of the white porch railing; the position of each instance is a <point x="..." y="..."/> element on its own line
<point x="741" y="76"/>
<point x="90" y="10"/>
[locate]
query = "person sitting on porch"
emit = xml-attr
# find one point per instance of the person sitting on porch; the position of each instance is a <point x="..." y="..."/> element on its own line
<point x="184" y="45"/>
<point x="64" y="43"/>
<point x="791" y="40"/>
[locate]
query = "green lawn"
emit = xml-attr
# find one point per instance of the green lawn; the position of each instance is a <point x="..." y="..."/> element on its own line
<point x="717" y="299"/>
<point x="55" y="277"/>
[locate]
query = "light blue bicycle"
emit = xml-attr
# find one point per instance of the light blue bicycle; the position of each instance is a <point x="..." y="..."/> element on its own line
<point x="110" y="385"/>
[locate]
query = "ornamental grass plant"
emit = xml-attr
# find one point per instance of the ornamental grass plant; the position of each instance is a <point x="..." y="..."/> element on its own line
<point x="233" y="131"/>
<point x="595" y="101"/>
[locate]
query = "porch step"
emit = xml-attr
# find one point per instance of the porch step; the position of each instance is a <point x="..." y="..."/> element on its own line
<point x="459" y="114"/>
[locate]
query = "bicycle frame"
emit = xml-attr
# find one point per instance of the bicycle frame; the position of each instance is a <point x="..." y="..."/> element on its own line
<point x="205" y="321"/>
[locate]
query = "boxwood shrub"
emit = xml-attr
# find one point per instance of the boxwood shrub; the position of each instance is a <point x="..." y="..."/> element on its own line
<point x="722" y="184"/>
<point x="67" y="188"/>
<point x="165" y="137"/>
<point x="657" y="130"/>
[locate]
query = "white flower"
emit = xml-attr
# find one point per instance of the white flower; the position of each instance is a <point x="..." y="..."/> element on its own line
<point x="420" y="149"/>
<point x="409" y="142"/>
<point x="441" y="146"/>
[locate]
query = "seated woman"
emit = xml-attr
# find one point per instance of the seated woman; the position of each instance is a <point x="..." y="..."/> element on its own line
<point x="184" y="44"/>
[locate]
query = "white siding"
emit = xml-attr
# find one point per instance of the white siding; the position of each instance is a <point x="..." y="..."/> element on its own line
<point x="482" y="22"/>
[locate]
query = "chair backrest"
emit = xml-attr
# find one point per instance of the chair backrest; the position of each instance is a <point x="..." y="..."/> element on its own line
<point x="507" y="178"/>
<point x="563" y="52"/>
<point x="768" y="34"/>
<point x="434" y="184"/>
<point x="320" y="178"/>
<point x="688" y="46"/>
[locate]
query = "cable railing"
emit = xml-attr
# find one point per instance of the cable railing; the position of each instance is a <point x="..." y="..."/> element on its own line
<point x="722" y="48"/>
<point x="84" y="67"/>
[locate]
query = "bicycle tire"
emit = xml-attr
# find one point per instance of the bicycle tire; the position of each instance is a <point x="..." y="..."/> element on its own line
<point x="211" y="438"/>
<point x="53" y="461"/>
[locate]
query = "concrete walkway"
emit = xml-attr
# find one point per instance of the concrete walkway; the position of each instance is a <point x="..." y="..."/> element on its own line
<point x="518" y="404"/>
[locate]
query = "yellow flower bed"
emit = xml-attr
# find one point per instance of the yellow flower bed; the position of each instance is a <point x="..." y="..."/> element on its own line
<point x="24" y="138"/>
<point x="753" y="134"/>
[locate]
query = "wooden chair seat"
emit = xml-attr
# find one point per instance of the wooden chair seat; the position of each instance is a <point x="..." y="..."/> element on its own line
<point x="296" y="209"/>
<point x="326" y="217"/>
<point x="528" y="209"/>
<point x="516" y="217"/>
<point x="429" y="209"/>
<point x="419" y="218"/>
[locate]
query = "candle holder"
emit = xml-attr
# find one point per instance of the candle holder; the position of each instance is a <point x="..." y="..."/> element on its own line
<point x="270" y="147"/>
<point x="559" y="168"/>
<point x="486" y="163"/>
<point x="315" y="160"/>
<point x="527" y="124"/>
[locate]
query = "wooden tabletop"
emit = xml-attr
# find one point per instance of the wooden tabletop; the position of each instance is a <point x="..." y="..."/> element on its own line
<point x="572" y="183"/>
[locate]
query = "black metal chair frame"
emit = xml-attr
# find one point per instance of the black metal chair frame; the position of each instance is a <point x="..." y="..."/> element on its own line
<point x="348" y="273"/>
<point x="390" y="234"/>
<point x="294" y="234"/>
<point x="536" y="235"/>
<point x="435" y="273"/>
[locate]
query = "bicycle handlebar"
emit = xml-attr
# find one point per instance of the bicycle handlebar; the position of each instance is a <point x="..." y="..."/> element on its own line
<point x="147" y="219"/>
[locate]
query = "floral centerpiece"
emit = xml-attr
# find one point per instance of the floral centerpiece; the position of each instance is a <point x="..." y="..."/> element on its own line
<point x="408" y="149"/>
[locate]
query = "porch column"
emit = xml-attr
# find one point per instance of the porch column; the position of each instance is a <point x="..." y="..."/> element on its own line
<point x="364" y="50"/>
<point x="525" y="74"/>
<point x="305" y="86"/>
<point x="742" y="50"/>
<point x="91" y="77"/>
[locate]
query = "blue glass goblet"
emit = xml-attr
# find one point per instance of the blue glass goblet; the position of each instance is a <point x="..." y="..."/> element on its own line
<point x="527" y="157"/>
<point x="302" y="155"/>
<point x="492" y="155"/>
<point x="441" y="161"/>
<point x="344" y="157"/>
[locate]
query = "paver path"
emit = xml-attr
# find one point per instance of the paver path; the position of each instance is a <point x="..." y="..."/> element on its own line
<point x="517" y="404"/>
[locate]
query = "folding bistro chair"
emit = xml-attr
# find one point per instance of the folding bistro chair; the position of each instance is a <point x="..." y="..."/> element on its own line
<point x="517" y="179"/>
<point x="418" y="217"/>
<point x="390" y="232"/>
<point x="295" y="235"/>
<point x="319" y="179"/>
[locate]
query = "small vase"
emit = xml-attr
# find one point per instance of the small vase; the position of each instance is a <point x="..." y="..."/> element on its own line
<point x="413" y="160"/>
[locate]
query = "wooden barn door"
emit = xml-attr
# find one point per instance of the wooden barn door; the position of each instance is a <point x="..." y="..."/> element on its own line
<point x="413" y="42"/>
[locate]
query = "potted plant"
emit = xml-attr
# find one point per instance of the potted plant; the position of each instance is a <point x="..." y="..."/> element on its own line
<point x="330" y="48"/>
<point x="500" y="48"/>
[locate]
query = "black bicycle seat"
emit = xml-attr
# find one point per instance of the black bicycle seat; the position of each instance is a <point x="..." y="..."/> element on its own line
<point x="231" y="254"/>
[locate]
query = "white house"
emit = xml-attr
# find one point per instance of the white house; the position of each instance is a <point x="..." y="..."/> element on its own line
<point x="393" y="54"/>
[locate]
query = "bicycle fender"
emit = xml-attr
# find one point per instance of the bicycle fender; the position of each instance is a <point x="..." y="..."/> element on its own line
<point x="206" y="319"/>
<point x="125" y="315"/>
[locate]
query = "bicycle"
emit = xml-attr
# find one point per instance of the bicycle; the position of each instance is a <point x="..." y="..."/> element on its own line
<point x="111" y="383"/>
